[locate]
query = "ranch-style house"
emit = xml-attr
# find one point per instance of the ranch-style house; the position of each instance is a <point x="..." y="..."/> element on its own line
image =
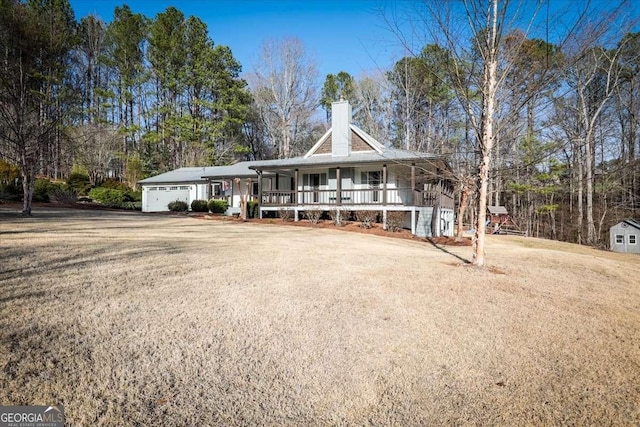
<point x="347" y="170"/>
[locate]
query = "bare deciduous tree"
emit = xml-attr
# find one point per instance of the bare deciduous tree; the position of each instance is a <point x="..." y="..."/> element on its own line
<point x="97" y="146"/>
<point x="284" y="85"/>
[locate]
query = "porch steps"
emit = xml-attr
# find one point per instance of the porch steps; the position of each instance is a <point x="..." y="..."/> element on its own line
<point x="423" y="222"/>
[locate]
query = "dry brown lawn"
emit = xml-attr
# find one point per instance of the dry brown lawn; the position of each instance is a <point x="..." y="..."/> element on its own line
<point x="131" y="319"/>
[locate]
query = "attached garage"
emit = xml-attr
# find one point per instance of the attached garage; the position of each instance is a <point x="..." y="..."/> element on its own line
<point x="158" y="198"/>
<point x="184" y="184"/>
<point x="204" y="183"/>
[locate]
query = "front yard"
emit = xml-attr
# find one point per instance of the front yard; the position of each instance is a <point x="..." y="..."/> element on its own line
<point x="166" y="320"/>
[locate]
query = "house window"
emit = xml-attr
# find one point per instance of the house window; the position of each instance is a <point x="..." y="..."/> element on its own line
<point x="162" y="188"/>
<point x="186" y="187"/>
<point x="371" y="178"/>
<point x="173" y="188"/>
<point x="314" y="180"/>
<point x="632" y="239"/>
<point x="619" y="239"/>
<point x="152" y="188"/>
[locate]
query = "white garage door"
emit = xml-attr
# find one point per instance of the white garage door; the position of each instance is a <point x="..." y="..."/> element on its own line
<point x="158" y="198"/>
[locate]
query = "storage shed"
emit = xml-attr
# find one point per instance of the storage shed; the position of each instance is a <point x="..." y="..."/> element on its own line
<point x="624" y="236"/>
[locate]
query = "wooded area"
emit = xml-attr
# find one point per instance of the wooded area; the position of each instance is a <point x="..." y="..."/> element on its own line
<point x="544" y="104"/>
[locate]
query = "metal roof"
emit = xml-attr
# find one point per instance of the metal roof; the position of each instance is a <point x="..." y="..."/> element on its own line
<point x="237" y="170"/>
<point x="387" y="155"/>
<point x="193" y="174"/>
<point x="202" y="174"/>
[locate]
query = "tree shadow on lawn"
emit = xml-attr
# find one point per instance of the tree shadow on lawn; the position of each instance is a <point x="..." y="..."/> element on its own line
<point x="75" y="261"/>
<point x="443" y="249"/>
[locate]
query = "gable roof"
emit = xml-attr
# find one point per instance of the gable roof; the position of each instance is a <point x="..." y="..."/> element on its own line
<point x="323" y="146"/>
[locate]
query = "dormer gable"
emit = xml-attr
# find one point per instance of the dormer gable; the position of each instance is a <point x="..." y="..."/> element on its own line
<point x="343" y="138"/>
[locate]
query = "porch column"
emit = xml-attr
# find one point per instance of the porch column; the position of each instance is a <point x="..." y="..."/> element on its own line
<point x="259" y="193"/>
<point x="295" y="189"/>
<point x="413" y="183"/>
<point x="338" y="187"/>
<point x="384" y="188"/>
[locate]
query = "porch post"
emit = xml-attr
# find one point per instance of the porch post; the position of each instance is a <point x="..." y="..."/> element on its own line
<point x="384" y="189"/>
<point x="295" y="189"/>
<point x="259" y="193"/>
<point x="231" y="201"/>
<point x="413" y="220"/>
<point x="338" y="187"/>
<point x="413" y="183"/>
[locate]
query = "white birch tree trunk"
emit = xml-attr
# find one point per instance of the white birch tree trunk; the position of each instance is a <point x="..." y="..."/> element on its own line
<point x="489" y="86"/>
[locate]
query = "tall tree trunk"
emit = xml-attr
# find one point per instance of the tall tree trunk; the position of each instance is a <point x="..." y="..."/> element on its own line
<point x="589" y="178"/>
<point x="580" y="175"/>
<point x="489" y="86"/>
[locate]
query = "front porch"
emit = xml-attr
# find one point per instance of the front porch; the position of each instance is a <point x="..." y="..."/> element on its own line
<point x="434" y="195"/>
<point x="428" y="212"/>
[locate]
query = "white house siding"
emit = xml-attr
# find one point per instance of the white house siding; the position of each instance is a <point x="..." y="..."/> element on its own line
<point x="201" y="192"/>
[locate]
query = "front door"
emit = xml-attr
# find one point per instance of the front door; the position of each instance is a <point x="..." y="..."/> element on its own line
<point x="314" y="179"/>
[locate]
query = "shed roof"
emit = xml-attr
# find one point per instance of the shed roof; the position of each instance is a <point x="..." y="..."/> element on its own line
<point x="631" y="222"/>
<point x="497" y="210"/>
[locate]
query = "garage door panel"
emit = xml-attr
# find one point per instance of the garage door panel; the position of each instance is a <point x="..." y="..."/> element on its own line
<point x="159" y="198"/>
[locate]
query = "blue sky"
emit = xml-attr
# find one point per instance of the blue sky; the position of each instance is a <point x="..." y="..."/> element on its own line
<point x="341" y="35"/>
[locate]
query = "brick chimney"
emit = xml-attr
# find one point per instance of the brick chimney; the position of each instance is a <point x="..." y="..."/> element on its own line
<point x="340" y="131"/>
